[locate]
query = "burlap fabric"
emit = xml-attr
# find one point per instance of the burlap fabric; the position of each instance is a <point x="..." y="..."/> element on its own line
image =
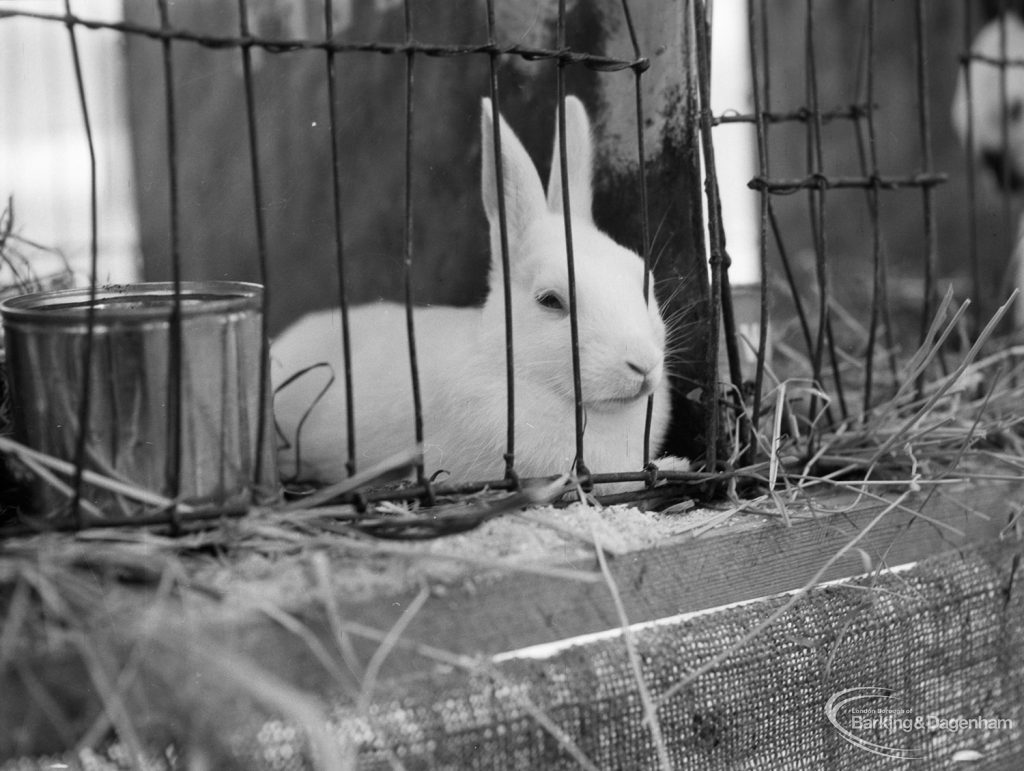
<point x="946" y="637"/>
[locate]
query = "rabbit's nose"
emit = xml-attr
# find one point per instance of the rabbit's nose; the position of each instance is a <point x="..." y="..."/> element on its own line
<point x="648" y="370"/>
<point x="643" y="361"/>
<point x="649" y="374"/>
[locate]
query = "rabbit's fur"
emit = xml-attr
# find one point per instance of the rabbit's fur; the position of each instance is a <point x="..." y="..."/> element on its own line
<point x="996" y="95"/>
<point x="461" y="351"/>
<point x="991" y="93"/>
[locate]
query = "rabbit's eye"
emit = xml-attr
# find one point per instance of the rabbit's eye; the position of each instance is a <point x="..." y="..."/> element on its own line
<point x="552" y="301"/>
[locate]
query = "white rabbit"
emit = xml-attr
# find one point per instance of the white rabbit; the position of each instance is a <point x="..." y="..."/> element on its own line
<point x="998" y="144"/>
<point x="461" y="351"/>
<point x="988" y="101"/>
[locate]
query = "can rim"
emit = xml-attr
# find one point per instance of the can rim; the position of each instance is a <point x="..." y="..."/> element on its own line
<point x="126" y="302"/>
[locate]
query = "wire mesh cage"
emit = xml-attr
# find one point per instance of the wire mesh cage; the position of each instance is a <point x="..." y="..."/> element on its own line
<point x="288" y="89"/>
<point x="386" y="163"/>
<point x="180" y="186"/>
<point x="191" y="175"/>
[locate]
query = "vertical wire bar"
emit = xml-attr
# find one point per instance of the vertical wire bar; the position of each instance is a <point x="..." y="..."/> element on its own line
<point x="715" y="222"/>
<point x="887" y="320"/>
<point x="410" y="63"/>
<point x="880" y="310"/>
<point x="261" y="232"/>
<point x="873" y="212"/>
<point x="816" y="200"/>
<point x="791" y="281"/>
<point x="709" y="314"/>
<point x="339" y="239"/>
<point x="820" y="164"/>
<point x="506" y="282"/>
<point x="773" y="220"/>
<point x="174" y="384"/>
<point x="970" y="171"/>
<point x="798" y="303"/>
<point x="731" y="337"/>
<point x="645" y="225"/>
<point x="85" y="404"/>
<point x="762" y="158"/>
<point x="927" y="193"/>
<point x="699" y="35"/>
<point x="580" y="466"/>
<point x="1004" y="134"/>
<point x="812" y="196"/>
<point x="719" y="259"/>
<point x="716" y="245"/>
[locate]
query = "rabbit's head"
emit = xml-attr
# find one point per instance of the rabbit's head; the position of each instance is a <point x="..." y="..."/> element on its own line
<point x="621" y="336"/>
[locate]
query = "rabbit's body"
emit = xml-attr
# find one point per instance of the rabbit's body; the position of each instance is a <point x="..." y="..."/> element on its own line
<point x="456" y="379"/>
<point x="462" y="351"/>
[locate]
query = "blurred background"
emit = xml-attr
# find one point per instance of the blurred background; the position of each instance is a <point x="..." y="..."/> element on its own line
<point x="44" y="165"/>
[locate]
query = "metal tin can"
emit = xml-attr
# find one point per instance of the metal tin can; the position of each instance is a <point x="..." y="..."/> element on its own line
<point x="131" y="381"/>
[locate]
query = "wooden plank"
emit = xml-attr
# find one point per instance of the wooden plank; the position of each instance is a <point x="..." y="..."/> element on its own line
<point x="747" y="559"/>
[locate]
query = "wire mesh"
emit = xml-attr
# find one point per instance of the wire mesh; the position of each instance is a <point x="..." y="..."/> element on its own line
<point x="170" y="38"/>
<point x="86" y="387"/>
<point x="732" y="431"/>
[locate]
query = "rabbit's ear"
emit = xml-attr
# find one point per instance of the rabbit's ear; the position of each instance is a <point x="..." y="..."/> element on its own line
<point x="579" y="154"/>
<point x="524" y="194"/>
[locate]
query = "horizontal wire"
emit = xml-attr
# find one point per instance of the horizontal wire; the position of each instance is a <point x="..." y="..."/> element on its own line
<point x="291" y="45"/>
<point x="998" y="61"/>
<point x="673" y="482"/>
<point x="825" y="182"/>
<point x="801" y="115"/>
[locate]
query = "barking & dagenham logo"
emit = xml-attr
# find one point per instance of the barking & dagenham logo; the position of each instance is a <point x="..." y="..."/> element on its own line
<point x="875" y="720"/>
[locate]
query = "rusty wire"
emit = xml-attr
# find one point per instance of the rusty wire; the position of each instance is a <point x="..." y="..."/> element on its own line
<point x="339" y="237"/>
<point x="506" y="275"/>
<point x="169" y="37"/>
<point x="580" y="466"/>
<point x="645" y="223"/>
<point x="869" y="164"/>
<point x="410" y="323"/>
<point x="817" y="184"/>
<point x="81" y="439"/>
<point x="283" y="46"/>
<point x="262" y="258"/>
<point x="174" y="365"/>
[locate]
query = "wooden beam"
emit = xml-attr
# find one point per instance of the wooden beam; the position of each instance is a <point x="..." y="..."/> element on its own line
<point x="746" y="558"/>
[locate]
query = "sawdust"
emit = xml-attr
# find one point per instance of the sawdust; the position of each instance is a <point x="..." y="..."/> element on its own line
<point x="535" y="540"/>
